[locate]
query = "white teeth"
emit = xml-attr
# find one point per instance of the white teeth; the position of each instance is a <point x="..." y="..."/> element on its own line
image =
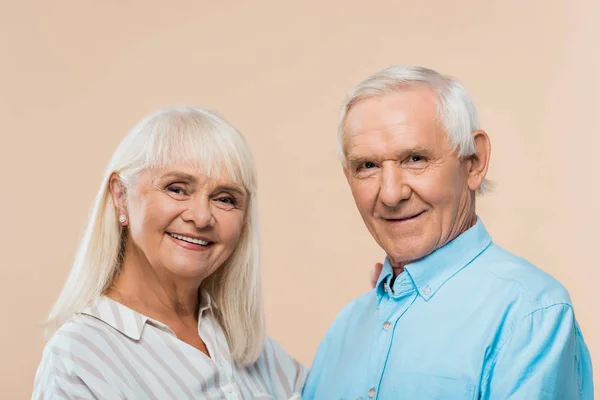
<point x="189" y="239"/>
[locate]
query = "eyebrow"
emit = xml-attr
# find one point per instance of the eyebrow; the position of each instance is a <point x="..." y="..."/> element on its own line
<point x="401" y="154"/>
<point x="231" y="188"/>
<point x="358" y="160"/>
<point x="180" y="175"/>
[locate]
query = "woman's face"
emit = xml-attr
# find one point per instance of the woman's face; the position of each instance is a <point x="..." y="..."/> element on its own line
<point x="182" y="222"/>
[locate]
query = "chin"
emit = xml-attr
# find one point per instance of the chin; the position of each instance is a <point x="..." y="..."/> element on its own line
<point x="187" y="271"/>
<point x="404" y="257"/>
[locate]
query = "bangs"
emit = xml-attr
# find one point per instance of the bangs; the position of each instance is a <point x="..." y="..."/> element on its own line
<point x="196" y="137"/>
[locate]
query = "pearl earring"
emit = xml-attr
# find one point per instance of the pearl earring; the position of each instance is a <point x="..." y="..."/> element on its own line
<point x="122" y="218"/>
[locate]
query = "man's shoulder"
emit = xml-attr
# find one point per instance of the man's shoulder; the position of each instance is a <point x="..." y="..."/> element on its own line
<point x="348" y="323"/>
<point x="355" y="310"/>
<point x="535" y="286"/>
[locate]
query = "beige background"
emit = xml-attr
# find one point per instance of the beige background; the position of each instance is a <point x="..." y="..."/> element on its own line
<point x="75" y="76"/>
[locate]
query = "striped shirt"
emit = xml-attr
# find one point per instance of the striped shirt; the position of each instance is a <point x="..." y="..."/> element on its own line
<point x="109" y="351"/>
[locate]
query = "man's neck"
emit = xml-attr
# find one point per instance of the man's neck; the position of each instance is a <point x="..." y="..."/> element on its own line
<point x="463" y="225"/>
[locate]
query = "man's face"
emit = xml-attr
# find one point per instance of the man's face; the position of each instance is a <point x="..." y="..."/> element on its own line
<point x="410" y="187"/>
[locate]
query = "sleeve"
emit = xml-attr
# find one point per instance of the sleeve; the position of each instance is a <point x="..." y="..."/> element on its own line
<point x="289" y="374"/>
<point x="52" y="381"/>
<point x="543" y="357"/>
<point x="310" y="389"/>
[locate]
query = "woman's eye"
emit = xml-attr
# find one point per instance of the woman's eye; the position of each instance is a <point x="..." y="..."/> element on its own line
<point x="227" y="200"/>
<point x="176" y="189"/>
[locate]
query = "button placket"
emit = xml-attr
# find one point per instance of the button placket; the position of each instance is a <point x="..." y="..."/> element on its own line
<point x="391" y="310"/>
<point x="381" y="346"/>
<point x="231" y="392"/>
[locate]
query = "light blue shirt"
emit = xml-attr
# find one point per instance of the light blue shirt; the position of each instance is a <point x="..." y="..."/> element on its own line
<point x="469" y="321"/>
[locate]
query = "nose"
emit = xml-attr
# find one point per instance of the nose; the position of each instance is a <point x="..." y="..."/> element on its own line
<point x="393" y="188"/>
<point x="199" y="213"/>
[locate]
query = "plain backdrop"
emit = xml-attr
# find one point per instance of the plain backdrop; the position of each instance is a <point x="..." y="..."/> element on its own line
<point x="75" y="76"/>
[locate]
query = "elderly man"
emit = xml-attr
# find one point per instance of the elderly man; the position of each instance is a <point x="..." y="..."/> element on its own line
<point x="453" y="315"/>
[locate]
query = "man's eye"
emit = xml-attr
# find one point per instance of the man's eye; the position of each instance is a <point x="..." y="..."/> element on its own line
<point x="415" y="158"/>
<point x="368" y="165"/>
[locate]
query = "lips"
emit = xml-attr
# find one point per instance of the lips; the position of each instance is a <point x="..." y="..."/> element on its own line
<point x="190" y="239"/>
<point x="405" y="218"/>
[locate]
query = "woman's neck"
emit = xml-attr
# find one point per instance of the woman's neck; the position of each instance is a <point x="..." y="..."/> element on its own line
<point x="154" y="292"/>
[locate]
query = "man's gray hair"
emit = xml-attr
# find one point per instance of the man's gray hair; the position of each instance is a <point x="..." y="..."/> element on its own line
<point x="456" y="110"/>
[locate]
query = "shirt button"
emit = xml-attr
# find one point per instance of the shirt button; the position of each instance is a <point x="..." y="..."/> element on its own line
<point x="385" y="287"/>
<point x="372" y="392"/>
<point x="426" y="291"/>
<point x="387" y="325"/>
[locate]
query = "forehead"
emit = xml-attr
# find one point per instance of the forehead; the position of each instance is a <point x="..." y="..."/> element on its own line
<point x="398" y="121"/>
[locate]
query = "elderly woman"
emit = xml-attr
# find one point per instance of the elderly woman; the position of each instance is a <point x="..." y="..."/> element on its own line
<point x="163" y="300"/>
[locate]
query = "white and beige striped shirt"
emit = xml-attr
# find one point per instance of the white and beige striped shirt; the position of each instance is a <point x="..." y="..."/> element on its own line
<point x="110" y="351"/>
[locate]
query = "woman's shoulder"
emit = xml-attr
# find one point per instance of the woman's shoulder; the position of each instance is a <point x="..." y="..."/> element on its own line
<point x="70" y="343"/>
<point x="272" y="346"/>
<point x="98" y="328"/>
<point x="80" y="328"/>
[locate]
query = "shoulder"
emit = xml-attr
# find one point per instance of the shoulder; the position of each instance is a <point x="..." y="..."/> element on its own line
<point x="81" y="329"/>
<point x="274" y="350"/>
<point x="535" y="288"/>
<point x="350" y="319"/>
<point x="353" y="310"/>
<point x="82" y="344"/>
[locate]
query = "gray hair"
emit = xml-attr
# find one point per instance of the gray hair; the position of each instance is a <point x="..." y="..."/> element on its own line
<point x="164" y="138"/>
<point x="456" y="110"/>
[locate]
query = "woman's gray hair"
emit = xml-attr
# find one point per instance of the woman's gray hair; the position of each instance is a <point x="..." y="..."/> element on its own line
<point x="456" y="110"/>
<point x="165" y="138"/>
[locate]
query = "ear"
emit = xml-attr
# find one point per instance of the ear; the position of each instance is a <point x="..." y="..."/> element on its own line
<point x="479" y="161"/>
<point x="118" y="193"/>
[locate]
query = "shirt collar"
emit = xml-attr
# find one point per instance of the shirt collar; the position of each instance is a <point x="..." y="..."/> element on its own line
<point x="130" y="322"/>
<point x="430" y="273"/>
